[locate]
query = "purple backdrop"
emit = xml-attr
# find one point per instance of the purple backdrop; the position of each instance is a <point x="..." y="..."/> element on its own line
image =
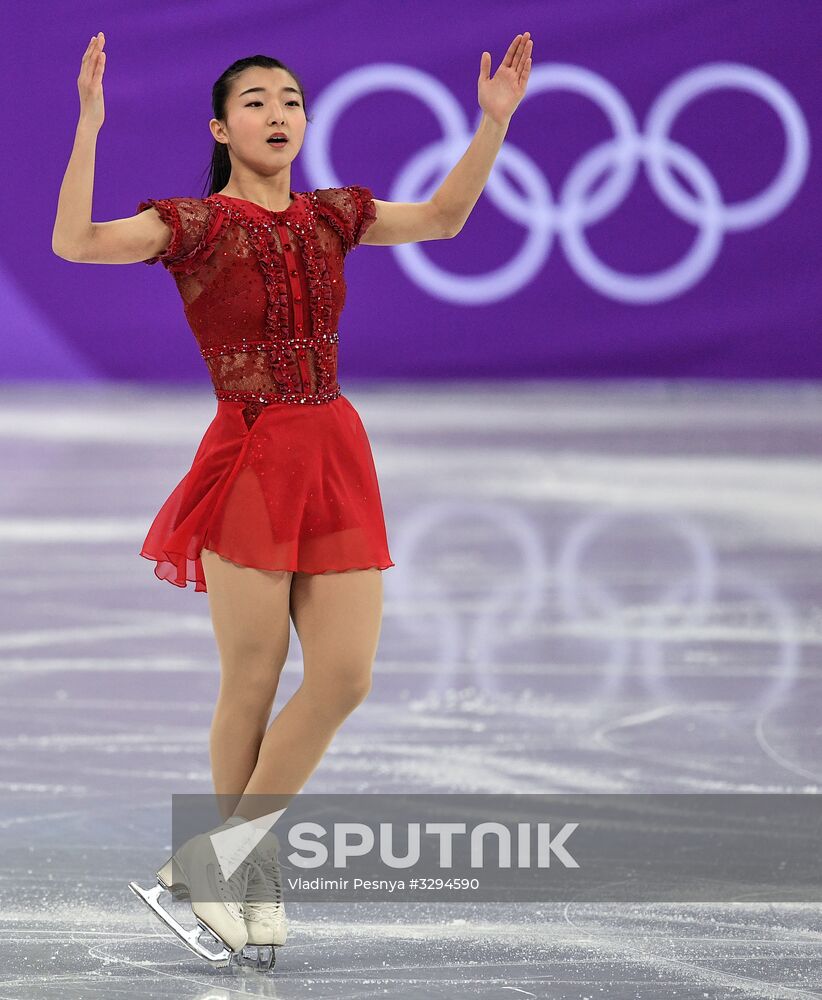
<point x="655" y="210"/>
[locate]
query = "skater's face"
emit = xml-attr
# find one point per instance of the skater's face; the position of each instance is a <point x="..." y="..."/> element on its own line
<point x="274" y="104"/>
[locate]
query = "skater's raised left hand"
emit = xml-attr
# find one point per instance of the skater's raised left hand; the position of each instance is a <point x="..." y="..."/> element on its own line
<point x="500" y="94"/>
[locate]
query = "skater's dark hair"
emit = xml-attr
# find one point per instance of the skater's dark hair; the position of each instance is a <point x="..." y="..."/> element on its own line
<point x="219" y="169"/>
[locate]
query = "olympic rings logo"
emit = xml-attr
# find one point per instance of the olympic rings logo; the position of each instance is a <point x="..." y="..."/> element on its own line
<point x="542" y="215"/>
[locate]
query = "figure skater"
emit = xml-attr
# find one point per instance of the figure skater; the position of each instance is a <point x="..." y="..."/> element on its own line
<point x="280" y="515"/>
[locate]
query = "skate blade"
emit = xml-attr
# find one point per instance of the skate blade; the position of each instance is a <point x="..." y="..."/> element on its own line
<point x="256" y="956"/>
<point x="190" y="938"/>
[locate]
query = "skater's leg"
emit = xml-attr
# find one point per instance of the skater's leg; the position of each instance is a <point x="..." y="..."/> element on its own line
<point x="337" y="617"/>
<point x="250" y="616"/>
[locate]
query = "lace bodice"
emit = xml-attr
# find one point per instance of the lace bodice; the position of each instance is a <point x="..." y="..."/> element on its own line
<point x="263" y="291"/>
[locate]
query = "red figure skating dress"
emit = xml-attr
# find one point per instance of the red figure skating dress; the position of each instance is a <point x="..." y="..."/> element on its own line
<point x="283" y="478"/>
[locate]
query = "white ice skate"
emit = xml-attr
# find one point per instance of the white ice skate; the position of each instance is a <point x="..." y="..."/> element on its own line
<point x="194" y="872"/>
<point x="263" y="908"/>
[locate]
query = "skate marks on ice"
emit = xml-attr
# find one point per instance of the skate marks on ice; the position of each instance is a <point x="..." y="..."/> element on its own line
<point x="571" y="952"/>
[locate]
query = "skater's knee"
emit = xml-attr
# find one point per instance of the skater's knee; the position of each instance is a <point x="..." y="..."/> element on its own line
<point x="339" y="691"/>
<point x="250" y="681"/>
<point x="259" y="649"/>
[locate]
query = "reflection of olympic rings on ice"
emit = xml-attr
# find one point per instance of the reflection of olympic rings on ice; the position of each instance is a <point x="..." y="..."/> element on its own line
<point x="468" y="629"/>
<point x="582" y="598"/>
<point x="471" y="620"/>
<point x="679" y="612"/>
<point x="538" y="212"/>
<point x="784" y="626"/>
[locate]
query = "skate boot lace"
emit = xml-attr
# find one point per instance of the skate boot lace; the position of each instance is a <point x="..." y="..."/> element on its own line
<point x="237" y="884"/>
<point x="264" y="893"/>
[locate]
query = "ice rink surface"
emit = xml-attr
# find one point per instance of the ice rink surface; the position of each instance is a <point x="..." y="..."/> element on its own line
<point x="599" y="587"/>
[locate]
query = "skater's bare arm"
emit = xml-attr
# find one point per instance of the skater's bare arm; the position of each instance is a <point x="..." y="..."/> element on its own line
<point x="451" y="204"/>
<point x="121" y="241"/>
<point x="75" y="237"/>
<point x="407" y="222"/>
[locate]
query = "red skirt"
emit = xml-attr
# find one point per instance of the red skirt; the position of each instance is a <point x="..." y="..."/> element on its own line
<point x="296" y="491"/>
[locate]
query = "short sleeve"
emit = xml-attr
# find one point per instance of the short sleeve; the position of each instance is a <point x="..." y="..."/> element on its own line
<point x="353" y="209"/>
<point x="188" y="219"/>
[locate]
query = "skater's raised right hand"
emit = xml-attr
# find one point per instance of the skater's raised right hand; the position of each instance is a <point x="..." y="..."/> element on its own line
<point x="90" y="82"/>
